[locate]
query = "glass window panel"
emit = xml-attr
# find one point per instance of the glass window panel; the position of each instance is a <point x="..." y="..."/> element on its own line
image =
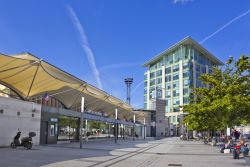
<point x="198" y="84"/>
<point x="176" y="85"/>
<point x="168" y="86"/>
<point x="168" y="102"/>
<point x="185" y="91"/>
<point x="168" y="93"/>
<point x="186" y="52"/>
<point x="152" y="82"/>
<point x="203" y="69"/>
<point x="190" y="65"/>
<point x="158" y="73"/>
<point x="176" y="76"/>
<point x="176" y="109"/>
<point x="167" y="109"/>
<point x="176" y="93"/>
<point x="199" y="58"/>
<point x="176" y="68"/>
<point x="159" y="93"/>
<point x="185" y="100"/>
<point x="168" y="70"/>
<point x="159" y="80"/>
<point x="168" y="78"/>
<point x="185" y="74"/>
<point x="176" y="101"/>
<point x="185" y="65"/>
<point x="174" y="118"/>
<point x="152" y="75"/>
<point x="177" y="55"/>
<point x="52" y="130"/>
<point x="186" y="82"/>
<point x="197" y="76"/>
<point x="169" y="59"/>
<point x="198" y="68"/>
<point x="153" y="67"/>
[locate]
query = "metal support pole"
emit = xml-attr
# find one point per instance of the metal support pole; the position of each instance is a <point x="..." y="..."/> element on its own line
<point x="116" y="125"/>
<point x="109" y="130"/>
<point x="81" y="124"/>
<point x="86" y="130"/>
<point x="123" y="131"/>
<point x="144" y="121"/>
<point x="117" y="130"/>
<point x="134" y="129"/>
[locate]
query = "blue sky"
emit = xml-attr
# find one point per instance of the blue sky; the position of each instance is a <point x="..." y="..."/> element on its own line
<point x="104" y="41"/>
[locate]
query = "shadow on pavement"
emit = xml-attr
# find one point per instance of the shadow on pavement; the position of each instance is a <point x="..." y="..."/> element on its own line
<point x="56" y="153"/>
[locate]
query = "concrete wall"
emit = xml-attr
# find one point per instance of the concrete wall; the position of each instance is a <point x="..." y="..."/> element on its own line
<point x="161" y="123"/>
<point x="10" y="121"/>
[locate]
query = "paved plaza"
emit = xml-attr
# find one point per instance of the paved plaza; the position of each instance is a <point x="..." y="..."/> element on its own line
<point x="126" y="153"/>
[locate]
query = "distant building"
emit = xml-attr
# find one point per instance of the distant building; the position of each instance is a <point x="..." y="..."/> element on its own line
<point x="172" y="74"/>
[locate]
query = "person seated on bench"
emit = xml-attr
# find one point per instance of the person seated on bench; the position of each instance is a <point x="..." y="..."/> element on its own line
<point x="241" y="147"/>
<point x="227" y="145"/>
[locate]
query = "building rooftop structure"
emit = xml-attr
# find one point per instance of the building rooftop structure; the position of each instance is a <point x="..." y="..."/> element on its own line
<point x="190" y="41"/>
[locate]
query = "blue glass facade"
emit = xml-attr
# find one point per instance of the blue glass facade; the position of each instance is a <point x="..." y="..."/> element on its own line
<point x="173" y="74"/>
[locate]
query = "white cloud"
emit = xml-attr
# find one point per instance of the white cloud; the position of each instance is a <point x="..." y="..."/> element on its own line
<point x="85" y="45"/>
<point x="182" y="1"/>
<point x="225" y="26"/>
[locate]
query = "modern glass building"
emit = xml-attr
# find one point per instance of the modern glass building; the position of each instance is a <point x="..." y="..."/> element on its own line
<point x="171" y="75"/>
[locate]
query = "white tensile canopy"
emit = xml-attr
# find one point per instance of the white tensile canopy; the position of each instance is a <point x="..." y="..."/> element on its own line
<point x="31" y="77"/>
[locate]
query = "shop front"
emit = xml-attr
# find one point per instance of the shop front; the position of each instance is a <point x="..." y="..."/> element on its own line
<point x="61" y="125"/>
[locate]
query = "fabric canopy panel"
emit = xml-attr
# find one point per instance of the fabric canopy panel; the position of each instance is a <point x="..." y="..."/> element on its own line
<point x="30" y="77"/>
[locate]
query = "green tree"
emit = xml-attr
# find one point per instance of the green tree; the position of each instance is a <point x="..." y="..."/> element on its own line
<point x="224" y="101"/>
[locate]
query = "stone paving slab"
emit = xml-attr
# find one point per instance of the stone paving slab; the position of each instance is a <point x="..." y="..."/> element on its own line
<point x="126" y="153"/>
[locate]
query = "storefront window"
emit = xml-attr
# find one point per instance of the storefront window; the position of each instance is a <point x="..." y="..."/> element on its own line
<point x="52" y="130"/>
<point x="68" y="127"/>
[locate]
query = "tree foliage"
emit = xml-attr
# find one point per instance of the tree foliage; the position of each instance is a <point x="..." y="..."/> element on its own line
<point x="223" y="100"/>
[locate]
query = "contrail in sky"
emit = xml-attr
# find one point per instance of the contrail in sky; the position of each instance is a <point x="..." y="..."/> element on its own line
<point x="120" y="65"/>
<point x="225" y="26"/>
<point x="181" y="1"/>
<point x="136" y="87"/>
<point x="85" y="45"/>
